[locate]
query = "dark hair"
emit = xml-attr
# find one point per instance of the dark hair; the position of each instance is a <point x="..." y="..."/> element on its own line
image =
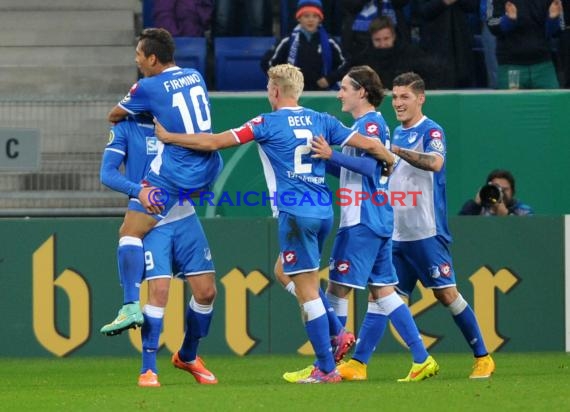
<point x="379" y="23"/>
<point x="158" y="42"/>
<point x="411" y="80"/>
<point x="502" y="174"/>
<point x="365" y="77"/>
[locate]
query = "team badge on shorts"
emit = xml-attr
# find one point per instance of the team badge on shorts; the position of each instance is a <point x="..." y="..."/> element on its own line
<point x="434" y="271"/>
<point x="289" y="257"/>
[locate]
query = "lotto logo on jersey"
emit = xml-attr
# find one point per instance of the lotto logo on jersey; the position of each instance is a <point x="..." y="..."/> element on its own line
<point x="343" y="267"/>
<point x="445" y="269"/>
<point x="257" y="120"/>
<point x="289" y="257"/>
<point x="435" y="134"/>
<point x="133" y="89"/>
<point x="372" y="129"/>
<point x="131" y="92"/>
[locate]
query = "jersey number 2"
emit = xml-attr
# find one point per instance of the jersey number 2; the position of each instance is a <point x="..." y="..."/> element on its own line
<point x="300" y="151"/>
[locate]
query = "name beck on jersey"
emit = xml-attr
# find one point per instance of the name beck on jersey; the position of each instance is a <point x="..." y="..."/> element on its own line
<point x="299" y="120"/>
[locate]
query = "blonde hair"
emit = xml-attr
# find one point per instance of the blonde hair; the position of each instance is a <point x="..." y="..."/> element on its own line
<point x="288" y="79"/>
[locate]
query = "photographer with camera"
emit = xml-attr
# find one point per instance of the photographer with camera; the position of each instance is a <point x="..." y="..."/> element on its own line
<point x="496" y="198"/>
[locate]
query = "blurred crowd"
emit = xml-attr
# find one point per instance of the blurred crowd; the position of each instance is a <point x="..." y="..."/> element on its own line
<point x="523" y="44"/>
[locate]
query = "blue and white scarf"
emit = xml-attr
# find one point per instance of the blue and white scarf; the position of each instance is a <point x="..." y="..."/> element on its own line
<point x="326" y="52"/>
<point x="370" y="11"/>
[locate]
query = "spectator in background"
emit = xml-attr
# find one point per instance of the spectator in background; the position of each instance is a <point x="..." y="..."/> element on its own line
<point x="331" y="9"/>
<point x="564" y="47"/>
<point x="358" y="14"/>
<point x="243" y="18"/>
<point x="310" y="48"/>
<point x="445" y="33"/>
<point x="489" y="43"/>
<point x="389" y="56"/>
<point x="523" y="29"/>
<point x="496" y="198"/>
<point x="189" y="18"/>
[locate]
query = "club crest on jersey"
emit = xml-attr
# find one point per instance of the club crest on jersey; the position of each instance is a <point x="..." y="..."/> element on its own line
<point x="343" y="266"/>
<point x="372" y="129"/>
<point x="412" y="137"/>
<point x="289" y="257"/>
<point x="445" y="269"/>
<point x="434" y="271"/>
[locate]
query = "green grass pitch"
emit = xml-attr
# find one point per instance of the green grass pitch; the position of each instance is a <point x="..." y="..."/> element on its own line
<point x="522" y="382"/>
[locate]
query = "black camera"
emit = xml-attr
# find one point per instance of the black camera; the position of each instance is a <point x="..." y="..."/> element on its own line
<point x="490" y="195"/>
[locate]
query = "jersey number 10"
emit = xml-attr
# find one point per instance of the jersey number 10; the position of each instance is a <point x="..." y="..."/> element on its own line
<point x="200" y="109"/>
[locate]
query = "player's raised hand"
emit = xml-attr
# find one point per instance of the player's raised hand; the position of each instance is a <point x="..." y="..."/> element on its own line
<point x="321" y="148"/>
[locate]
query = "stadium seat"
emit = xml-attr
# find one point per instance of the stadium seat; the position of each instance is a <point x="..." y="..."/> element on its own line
<point x="237" y="61"/>
<point x="191" y="52"/>
<point x="147" y="19"/>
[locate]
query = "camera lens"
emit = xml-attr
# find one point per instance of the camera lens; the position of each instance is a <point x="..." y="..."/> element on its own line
<point x="490" y="194"/>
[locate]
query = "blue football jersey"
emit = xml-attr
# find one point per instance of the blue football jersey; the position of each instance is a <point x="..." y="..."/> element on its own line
<point x="377" y="215"/>
<point x="295" y="178"/>
<point x="429" y="216"/>
<point x="179" y="100"/>
<point x="132" y="143"/>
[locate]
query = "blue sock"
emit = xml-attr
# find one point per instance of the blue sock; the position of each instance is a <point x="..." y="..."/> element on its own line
<point x="150" y="333"/>
<point x="198" y="319"/>
<point x="317" y="327"/>
<point x="370" y="333"/>
<point x="130" y="255"/>
<point x="468" y="325"/>
<point x="402" y="319"/>
<point x="335" y="326"/>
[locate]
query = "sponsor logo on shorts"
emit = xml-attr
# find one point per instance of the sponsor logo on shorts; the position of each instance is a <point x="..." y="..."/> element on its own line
<point x="289" y="257"/>
<point x="445" y="269"/>
<point x="343" y="266"/>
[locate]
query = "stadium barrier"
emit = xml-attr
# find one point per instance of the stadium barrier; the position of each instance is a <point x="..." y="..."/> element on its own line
<point x="60" y="286"/>
<point x="520" y="131"/>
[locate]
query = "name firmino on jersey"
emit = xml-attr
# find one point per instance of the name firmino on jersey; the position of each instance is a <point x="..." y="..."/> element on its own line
<point x="181" y="82"/>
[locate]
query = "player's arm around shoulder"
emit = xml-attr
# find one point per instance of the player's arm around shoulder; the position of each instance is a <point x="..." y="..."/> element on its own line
<point x="373" y="146"/>
<point x="206" y="142"/>
<point x="430" y="162"/>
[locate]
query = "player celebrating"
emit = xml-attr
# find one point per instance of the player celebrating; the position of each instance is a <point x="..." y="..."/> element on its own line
<point x="133" y="143"/>
<point x="297" y="183"/>
<point x="362" y="251"/>
<point x="179" y="99"/>
<point x="421" y="236"/>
